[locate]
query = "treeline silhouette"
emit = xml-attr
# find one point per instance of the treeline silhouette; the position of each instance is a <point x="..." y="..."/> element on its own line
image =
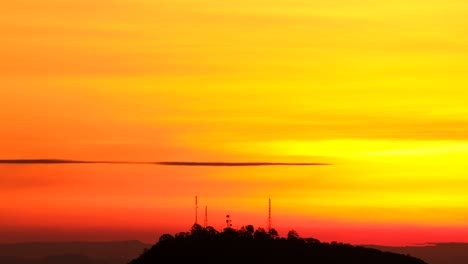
<point x="259" y="245"/>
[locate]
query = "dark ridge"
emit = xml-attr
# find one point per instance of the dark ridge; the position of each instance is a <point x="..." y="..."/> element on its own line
<point x="162" y="163"/>
<point x="70" y="252"/>
<point x="434" y="253"/>
<point x="103" y="249"/>
<point x="260" y="246"/>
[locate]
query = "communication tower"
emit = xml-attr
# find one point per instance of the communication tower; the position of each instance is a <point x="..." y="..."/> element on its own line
<point x="196" y="210"/>
<point x="269" y="214"/>
<point x="206" y="216"/>
<point x="228" y="221"/>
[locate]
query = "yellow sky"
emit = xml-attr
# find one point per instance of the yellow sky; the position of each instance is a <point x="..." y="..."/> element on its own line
<point x="378" y="88"/>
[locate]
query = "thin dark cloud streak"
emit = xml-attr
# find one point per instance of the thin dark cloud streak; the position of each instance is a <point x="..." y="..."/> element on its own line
<point x="161" y="163"/>
<point x="232" y="164"/>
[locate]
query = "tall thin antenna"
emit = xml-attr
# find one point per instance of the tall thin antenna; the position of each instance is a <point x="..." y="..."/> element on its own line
<point x="196" y="210"/>
<point x="269" y="214"/>
<point x="206" y="216"/>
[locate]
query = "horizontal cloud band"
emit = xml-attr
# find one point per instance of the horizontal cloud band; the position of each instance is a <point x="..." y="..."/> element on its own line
<point x="162" y="163"/>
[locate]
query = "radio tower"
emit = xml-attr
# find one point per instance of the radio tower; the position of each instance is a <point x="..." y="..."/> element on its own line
<point x="196" y="210"/>
<point x="269" y="214"/>
<point x="206" y="216"/>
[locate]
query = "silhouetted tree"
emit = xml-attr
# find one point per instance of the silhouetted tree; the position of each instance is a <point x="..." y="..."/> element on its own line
<point x="261" y="234"/>
<point x="250" y="230"/>
<point x="311" y="240"/>
<point x="211" y="231"/>
<point x="166" y="237"/>
<point x="196" y="228"/>
<point x="292" y="235"/>
<point x="247" y="231"/>
<point x="182" y="235"/>
<point x="229" y="234"/>
<point x="273" y="233"/>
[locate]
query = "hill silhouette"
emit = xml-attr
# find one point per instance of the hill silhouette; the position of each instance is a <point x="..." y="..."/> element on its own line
<point x="109" y="252"/>
<point x="434" y="253"/>
<point x="260" y="245"/>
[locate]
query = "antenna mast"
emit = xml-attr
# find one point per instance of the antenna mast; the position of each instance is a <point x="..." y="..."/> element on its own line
<point x="196" y="210"/>
<point x="206" y="216"/>
<point x="269" y="214"/>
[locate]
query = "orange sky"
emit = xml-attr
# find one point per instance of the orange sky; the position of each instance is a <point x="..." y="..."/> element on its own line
<point x="378" y="88"/>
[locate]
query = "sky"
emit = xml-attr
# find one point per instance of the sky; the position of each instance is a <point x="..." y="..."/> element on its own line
<point x="375" y="88"/>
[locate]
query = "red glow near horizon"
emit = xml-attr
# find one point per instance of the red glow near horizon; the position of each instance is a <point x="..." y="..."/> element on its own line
<point x="377" y="90"/>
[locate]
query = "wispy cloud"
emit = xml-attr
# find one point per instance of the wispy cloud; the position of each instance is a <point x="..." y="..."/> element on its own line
<point x="161" y="163"/>
<point x="193" y="163"/>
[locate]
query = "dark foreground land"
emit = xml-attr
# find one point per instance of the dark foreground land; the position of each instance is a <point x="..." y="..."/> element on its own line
<point x="259" y="246"/>
<point x="109" y="252"/>
<point x="247" y="240"/>
<point x="434" y="253"/>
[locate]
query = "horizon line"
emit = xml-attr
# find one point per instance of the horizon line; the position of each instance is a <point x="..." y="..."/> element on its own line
<point x="161" y="163"/>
